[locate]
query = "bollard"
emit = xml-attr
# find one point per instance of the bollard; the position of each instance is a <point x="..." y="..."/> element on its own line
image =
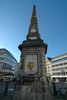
<point x="54" y="88"/>
<point x="6" y="88"/>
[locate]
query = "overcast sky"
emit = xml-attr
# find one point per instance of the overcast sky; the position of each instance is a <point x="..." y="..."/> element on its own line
<point x="15" y="18"/>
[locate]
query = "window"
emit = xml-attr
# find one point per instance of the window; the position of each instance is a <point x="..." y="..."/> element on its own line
<point x="57" y="68"/>
<point x="61" y="64"/>
<point x="53" y="69"/>
<point x="65" y="67"/>
<point x="61" y="68"/>
<point x="1" y="63"/>
<point x="53" y="65"/>
<point x="65" y="58"/>
<point x="54" y="61"/>
<point x="54" y="73"/>
<point x="47" y="64"/>
<point x="59" y="60"/>
<point x="1" y="58"/>
<point x="58" y="73"/>
<point x="2" y="53"/>
<point x="65" y="63"/>
<point x="57" y="65"/>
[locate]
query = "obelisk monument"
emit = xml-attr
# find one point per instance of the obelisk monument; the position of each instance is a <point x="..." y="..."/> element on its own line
<point x="33" y="84"/>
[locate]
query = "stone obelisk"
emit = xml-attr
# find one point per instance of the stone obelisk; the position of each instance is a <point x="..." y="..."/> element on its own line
<point x="33" y="84"/>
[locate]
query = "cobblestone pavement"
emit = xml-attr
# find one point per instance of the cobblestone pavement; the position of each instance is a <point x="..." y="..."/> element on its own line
<point x="10" y="98"/>
<point x="57" y="98"/>
<point x="5" y="98"/>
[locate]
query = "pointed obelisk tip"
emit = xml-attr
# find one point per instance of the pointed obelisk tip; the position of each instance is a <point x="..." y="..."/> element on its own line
<point x="34" y="6"/>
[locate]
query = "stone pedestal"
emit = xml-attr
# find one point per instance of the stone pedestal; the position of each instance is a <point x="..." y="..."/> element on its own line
<point x="34" y="85"/>
<point x="36" y="90"/>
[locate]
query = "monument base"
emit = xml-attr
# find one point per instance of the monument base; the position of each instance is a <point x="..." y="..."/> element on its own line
<point x="35" y="90"/>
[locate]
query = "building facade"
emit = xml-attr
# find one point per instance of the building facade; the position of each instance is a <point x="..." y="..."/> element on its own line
<point x="57" y="66"/>
<point x="48" y="66"/>
<point x="7" y="63"/>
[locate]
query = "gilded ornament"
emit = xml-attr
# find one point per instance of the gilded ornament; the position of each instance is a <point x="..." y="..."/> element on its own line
<point x="31" y="65"/>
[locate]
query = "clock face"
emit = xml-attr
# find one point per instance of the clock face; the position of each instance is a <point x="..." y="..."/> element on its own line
<point x="33" y="30"/>
<point x="31" y="64"/>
